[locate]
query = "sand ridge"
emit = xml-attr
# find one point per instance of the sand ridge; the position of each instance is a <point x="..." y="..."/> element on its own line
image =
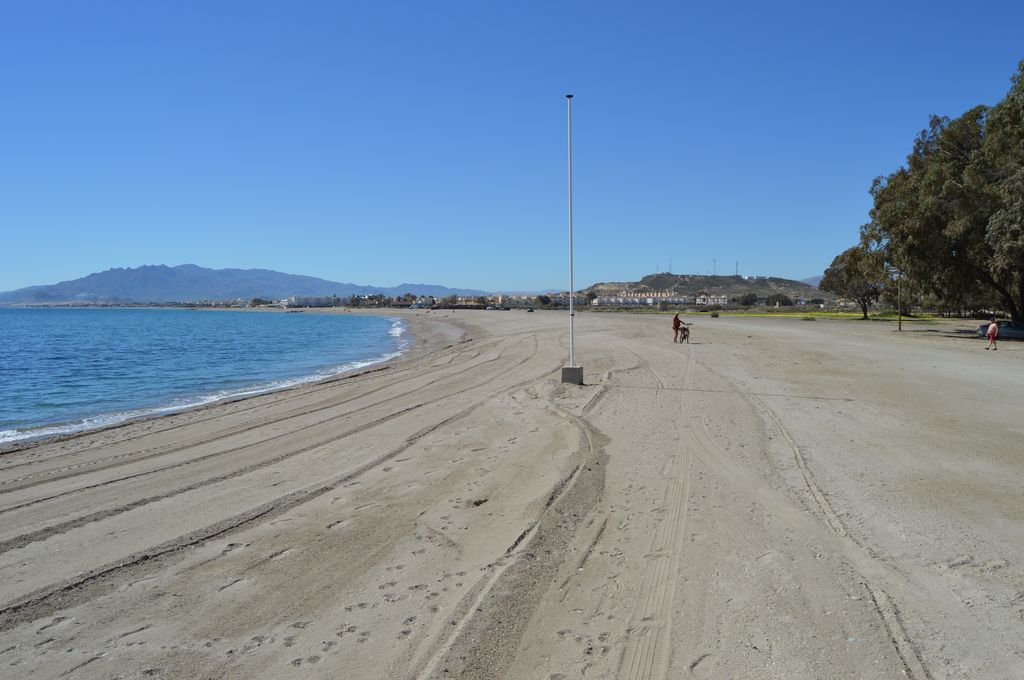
<point x="775" y="499"/>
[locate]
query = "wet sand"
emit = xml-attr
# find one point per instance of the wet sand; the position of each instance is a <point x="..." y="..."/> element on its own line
<point x="777" y="499"/>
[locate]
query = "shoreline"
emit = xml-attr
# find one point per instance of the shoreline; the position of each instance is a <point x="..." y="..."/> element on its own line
<point x="420" y="342"/>
<point x="780" y="497"/>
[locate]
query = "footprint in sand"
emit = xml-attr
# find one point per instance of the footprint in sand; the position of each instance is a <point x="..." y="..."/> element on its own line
<point x="55" y="622"/>
<point x="702" y="666"/>
<point x="229" y="584"/>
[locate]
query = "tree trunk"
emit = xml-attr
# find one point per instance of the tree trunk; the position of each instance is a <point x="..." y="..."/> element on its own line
<point x="1003" y="292"/>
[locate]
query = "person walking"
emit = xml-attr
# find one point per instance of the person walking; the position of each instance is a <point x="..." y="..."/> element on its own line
<point x="676" y="324"/>
<point x="993" y="333"/>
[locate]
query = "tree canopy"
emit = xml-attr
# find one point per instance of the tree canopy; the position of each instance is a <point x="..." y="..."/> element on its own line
<point x="780" y="299"/>
<point x="856" y="274"/>
<point x="953" y="217"/>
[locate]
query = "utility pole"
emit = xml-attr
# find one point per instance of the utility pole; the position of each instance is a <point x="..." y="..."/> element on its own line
<point x="899" y="301"/>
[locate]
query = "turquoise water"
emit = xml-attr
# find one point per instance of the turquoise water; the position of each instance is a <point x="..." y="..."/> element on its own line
<point x="66" y="370"/>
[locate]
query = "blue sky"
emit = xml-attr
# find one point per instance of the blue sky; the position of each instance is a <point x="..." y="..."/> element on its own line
<point x="382" y="143"/>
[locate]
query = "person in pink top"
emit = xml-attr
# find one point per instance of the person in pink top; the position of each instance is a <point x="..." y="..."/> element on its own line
<point x="993" y="333"/>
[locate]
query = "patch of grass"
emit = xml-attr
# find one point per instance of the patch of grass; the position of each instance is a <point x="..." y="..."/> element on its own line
<point x="799" y="315"/>
<point x="808" y="317"/>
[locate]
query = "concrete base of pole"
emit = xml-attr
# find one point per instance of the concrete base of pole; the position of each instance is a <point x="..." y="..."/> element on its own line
<point x="572" y="375"/>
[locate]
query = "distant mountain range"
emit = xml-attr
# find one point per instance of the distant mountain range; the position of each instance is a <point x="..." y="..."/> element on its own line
<point x="189" y="283"/>
<point x="693" y="284"/>
<point x="813" y="281"/>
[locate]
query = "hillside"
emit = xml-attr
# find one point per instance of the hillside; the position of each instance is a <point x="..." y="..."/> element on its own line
<point x="814" y="280"/>
<point x="693" y="284"/>
<point x="188" y="282"/>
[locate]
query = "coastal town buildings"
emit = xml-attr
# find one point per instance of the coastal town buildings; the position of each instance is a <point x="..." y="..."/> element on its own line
<point x="313" y="301"/>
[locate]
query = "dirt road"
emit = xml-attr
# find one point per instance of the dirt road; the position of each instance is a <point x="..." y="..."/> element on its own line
<point x="777" y="499"/>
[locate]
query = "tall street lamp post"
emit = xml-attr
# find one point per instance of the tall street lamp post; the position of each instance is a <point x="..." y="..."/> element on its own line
<point x="572" y="373"/>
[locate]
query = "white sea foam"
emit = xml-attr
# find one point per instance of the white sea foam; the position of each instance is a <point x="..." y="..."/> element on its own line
<point x="397" y="330"/>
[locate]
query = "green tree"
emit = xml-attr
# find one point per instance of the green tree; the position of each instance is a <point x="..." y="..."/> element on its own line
<point x="856" y="274"/>
<point x="543" y="300"/>
<point x="747" y="299"/>
<point x="953" y="217"/>
<point x="781" y="299"/>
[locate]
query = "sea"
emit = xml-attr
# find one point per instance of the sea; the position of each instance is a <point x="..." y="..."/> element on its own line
<point x="66" y="370"/>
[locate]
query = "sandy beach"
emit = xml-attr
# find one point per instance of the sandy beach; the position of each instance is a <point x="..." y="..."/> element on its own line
<point x="777" y="499"/>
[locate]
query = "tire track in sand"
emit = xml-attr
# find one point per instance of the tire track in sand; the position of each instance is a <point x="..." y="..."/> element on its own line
<point x="647" y="652"/>
<point x="478" y="645"/>
<point x="96" y="582"/>
<point x="906" y="650"/>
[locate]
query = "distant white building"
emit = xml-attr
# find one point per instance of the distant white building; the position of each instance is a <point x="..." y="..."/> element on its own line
<point x="312" y="301"/>
<point x="712" y="299"/>
<point x="563" y="298"/>
<point x="640" y="299"/>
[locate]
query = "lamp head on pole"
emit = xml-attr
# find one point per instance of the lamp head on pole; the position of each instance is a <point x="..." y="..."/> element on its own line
<point x="568" y="96"/>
